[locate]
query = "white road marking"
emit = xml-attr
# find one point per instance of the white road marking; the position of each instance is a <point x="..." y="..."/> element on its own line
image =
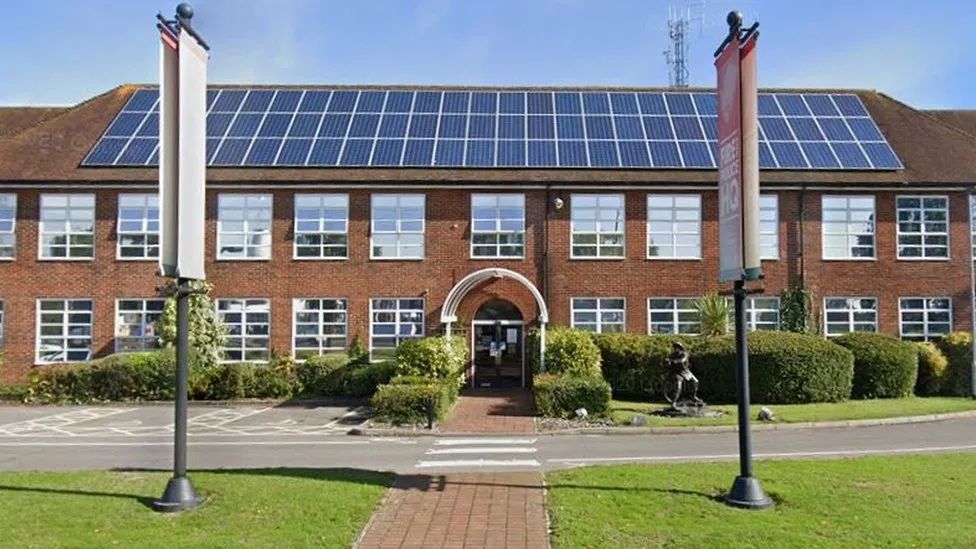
<point x="466" y="441"/>
<point x="195" y="443"/>
<point x="58" y="422"/>
<point x="479" y="463"/>
<point x="487" y="450"/>
<point x="772" y="455"/>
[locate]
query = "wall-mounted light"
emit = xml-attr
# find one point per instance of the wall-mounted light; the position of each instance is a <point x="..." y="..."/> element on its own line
<point x="557" y="203"/>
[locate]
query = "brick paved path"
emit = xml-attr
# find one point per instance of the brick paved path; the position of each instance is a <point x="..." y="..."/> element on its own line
<point x="492" y="411"/>
<point x="463" y="510"/>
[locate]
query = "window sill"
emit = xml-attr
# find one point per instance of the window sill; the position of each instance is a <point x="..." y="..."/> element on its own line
<point x="147" y="259"/>
<point x="855" y="259"/>
<point x="71" y="259"/>
<point x="296" y="258"/>
<point x="248" y="259"/>
<point x="397" y="258"/>
<point x="586" y="258"/>
<point x="497" y="257"/>
<point x="936" y="259"/>
<point x="661" y="258"/>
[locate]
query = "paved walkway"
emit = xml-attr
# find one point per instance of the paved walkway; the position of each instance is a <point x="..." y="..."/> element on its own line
<point x="492" y="411"/>
<point x="470" y="510"/>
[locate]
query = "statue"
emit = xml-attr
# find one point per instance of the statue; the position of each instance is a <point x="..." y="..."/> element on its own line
<point x="677" y="373"/>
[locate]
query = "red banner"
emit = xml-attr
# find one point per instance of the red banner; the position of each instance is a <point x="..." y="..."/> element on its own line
<point x="729" y="163"/>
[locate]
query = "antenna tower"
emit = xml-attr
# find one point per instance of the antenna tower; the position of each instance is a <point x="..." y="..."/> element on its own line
<point x="679" y="23"/>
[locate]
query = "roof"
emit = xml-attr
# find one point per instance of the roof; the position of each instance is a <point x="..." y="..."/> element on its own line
<point x="14" y="120"/>
<point x="965" y="120"/>
<point x="51" y="150"/>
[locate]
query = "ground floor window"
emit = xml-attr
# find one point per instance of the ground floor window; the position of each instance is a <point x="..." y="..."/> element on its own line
<point x="391" y="320"/>
<point x="598" y="315"/>
<point x="924" y="318"/>
<point x="135" y="324"/>
<point x="677" y="315"/>
<point x="64" y="330"/>
<point x="248" y="323"/>
<point x="320" y="326"/>
<point x="850" y="314"/>
<point x="762" y="313"/>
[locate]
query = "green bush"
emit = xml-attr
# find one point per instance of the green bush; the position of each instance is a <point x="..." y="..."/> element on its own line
<point x="884" y="366"/>
<point x="410" y="398"/>
<point x="932" y="367"/>
<point x="633" y="363"/>
<point x="562" y="395"/>
<point x="240" y="380"/>
<point x="322" y="375"/>
<point x="435" y="358"/>
<point x="571" y="352"/>
<point x="362" y="380"/>
<point x="957" y="348"/>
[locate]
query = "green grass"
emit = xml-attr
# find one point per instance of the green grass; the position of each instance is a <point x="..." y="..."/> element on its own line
<point x="622" y="410"/>
<point x="252" y="508"/>
<point x="917" y="501"/>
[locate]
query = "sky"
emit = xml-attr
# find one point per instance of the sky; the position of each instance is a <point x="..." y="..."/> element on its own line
<point x="59" y="52"/>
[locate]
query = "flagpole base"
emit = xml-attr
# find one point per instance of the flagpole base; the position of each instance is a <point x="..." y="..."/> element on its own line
<point x="180" y="495"/>
<point x="747" y="493"/>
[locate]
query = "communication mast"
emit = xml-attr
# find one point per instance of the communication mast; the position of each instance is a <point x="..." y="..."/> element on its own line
<point x="679" y="24"/>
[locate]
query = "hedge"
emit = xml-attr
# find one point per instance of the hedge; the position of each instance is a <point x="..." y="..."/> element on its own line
<point x="932" y="367"/>
<point x="322" y="375"/>
<point x="435" y="358"/>
<point x="957" y="348"/>
<point x="408" y="400"/>
<point x="568" y="351"/>
<point x="633" y="363"/>
<point x="560" y="395"/>
<point x="884" y="366"/>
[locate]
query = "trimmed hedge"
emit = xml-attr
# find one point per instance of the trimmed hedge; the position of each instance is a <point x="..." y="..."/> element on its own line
<point x="562" y="395"/>
<point x="571" y="352"/>
<point x="408" y="399"/>
<point x="435" y="358"/>
<point x="884" y="366"/>
<point x="932" y="366"/>
<point x="124" y="376"/>
<point x="957" y="348"/>
<point x="233" y="381"/>
<point x="633" y="363"/>
<point x="322" y="375"/>
<point x="362" y="380"/>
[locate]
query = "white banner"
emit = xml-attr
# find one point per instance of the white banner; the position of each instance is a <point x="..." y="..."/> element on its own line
<point x="193" y="157"/>
<point x="169" y="85"/>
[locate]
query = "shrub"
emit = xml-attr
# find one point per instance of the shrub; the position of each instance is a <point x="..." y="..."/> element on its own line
<point x="714" y="313"/>
<point x="239" y="380"/>
<point x="884" y="366"/>
<point x="957" y="348"/>
<point x="410" y="399"/>
<point x="633" y="363"/>
<point x="561" y="395"/>
<point x="362" y="380"/>
<point x="124" y="376"/>
<point x="435" y="358"/>
<point x="795" y="306"/>
<point x="206" y="334"/>
<point x="932" y="366"/>
<point x="571" y="352"/>
<point x="322" y="375"/>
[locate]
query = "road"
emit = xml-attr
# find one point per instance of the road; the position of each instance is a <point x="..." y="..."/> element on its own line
<point x="105" y="437"/>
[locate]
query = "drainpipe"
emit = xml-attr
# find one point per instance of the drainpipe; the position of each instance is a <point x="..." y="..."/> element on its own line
<point x="803" y="274"/>
<point x="972" y="298"/>
<point x="545" y="280"/>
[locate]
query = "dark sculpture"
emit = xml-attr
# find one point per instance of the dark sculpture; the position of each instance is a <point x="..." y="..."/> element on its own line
<point x="677" y="374"/>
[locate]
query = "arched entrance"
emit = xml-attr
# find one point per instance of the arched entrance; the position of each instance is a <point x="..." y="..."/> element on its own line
<point x="498" y="346"/>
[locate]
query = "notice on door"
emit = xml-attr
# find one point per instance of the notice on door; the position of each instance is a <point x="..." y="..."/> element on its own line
<point x="511" y="335"/>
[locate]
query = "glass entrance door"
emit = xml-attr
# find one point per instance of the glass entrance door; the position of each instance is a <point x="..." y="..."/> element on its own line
<point x="497" y="355"/>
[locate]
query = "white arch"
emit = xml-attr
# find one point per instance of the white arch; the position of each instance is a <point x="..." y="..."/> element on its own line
<point x="461" y="289"/>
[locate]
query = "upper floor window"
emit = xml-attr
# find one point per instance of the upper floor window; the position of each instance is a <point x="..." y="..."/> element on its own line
<point x="244" y="226"/>
<point x="850" y="314"/>
<point x="498" y="225"/>
<point x="923" y="227"/>
<point x="768" y="226"/>
<point x="64" y="330"/>
<point x="67" y="226"/>
<point x="925" y="318"/>
<point x="672" y="316"/>
<point x="598" y="315"/>
<point x="8" y="224"/>
<point x="138" y="226"/>
<point x="674" y="226"/>
<point x="248" y="323"/>
<point x="320" y="327"/>
<point x="397" y="226"/>
<point x="391" y="321"/>
<point x="321" y="226"/>
<point x="597" y="226"/>
<point x="848" y="227"/>
<point x="135" y="324"/>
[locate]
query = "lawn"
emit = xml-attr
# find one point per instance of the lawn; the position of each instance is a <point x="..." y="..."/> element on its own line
<point x="914" y="501"/>
<point x="253" y="508"/>
<point x="622" y="410"/>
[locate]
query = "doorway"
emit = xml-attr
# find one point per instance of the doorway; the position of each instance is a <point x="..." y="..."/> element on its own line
<point x="498" y="346"/>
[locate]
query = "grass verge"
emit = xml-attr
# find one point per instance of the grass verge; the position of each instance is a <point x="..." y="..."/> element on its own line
<point x="252" y="508"/>
<point x="905" y="501"/>
<point x="623" y="410"/>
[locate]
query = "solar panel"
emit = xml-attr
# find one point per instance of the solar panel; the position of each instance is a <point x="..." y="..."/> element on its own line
<point x="291" y="127"/>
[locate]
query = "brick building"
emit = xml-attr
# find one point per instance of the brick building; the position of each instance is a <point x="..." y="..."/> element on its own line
<point x="384" y="213"/>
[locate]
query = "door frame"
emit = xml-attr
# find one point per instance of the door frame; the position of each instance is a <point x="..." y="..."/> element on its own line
<point x="474" y="367"/>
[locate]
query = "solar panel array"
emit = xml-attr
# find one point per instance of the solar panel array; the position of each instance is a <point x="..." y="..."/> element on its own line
<point x="290" y="127"/>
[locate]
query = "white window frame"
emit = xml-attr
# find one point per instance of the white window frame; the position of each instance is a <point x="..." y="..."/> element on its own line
<point x="622" y="220"/>
<point x="397" y="323"/>
<point x="972" y="226"/>
<point x="922" y="210"/>
<point x="847" y="232"/>
<point x="398" y="231"/>
<point x="498" y="231"/>
<point x="320" y="349"/>
<point x="149" y="201"/>
<point x="246" y="232"/>
<point x="244" y="336"/>
<point x="8" y="201"/>
<point x="927" y="335"/>
<point x="68" y="233"/>
<point x="322" y="232"/>
<point x="771" y="203"/>
<point x="674" y="233"/>
<point x="148" y="342"/>
<point x="850" y="314"/>
<point x="752" y="313"/>
<point x="599" y="310"/>
<point x="65" y="328"/>
<point x="675" y="312"/>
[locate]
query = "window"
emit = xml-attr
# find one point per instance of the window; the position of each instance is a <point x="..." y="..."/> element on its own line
<point x="674" y="226"/>
<point x="850" y="314"/>
<point x="397" y="226"/>
<point x="768" y="226"/>
<point x="8" y="224"/>
<point x="598" y="315"/>
<point x="672" y="316"/>
<point x="923" y="227"/>
<point x="248" y="323"/>
<point x="497" y="225"/>
<point x="321" y="226"/>
<point x="244" y="226"/>
<point x="320" y="327"/>
<point x="762" y="313"/>
<point x="925" y="318"/>
<point x="67" y="226"/>
<point x="135" y="324"/>
<point x="848" y="227"/>
<point x="138" y="226"/>
<point x="597" y="226"/>
<point x="391" y="321"/>
<point x="64" y="330"/>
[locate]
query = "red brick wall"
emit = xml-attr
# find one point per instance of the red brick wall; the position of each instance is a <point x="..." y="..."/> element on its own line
<point x="447" y="260"/>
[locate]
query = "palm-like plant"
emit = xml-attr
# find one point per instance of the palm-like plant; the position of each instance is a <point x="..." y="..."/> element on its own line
<point x="714" y="313"/>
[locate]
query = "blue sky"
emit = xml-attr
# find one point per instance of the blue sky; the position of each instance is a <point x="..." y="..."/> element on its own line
<point x="63" y="51"/>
